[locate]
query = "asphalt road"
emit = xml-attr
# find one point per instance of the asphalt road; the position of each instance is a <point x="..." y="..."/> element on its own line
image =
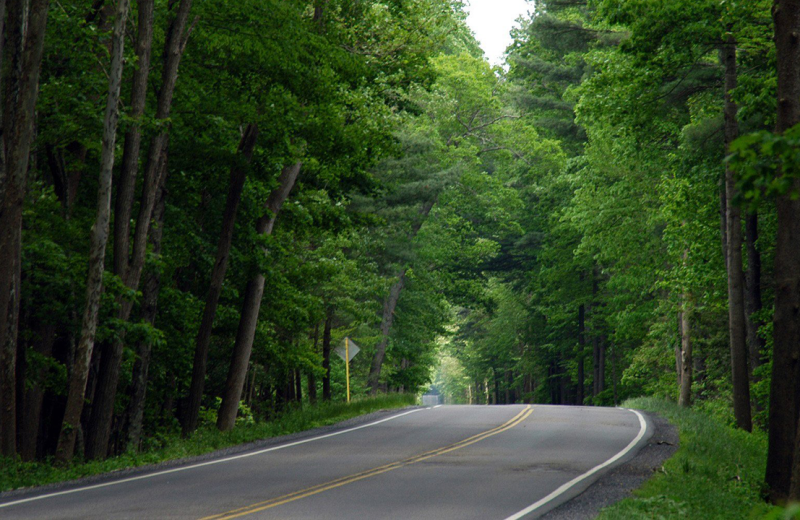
<point x="445" y="462"/>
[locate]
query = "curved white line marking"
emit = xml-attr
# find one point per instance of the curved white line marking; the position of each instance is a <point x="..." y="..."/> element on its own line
<point x="201" y="464"/>
<point x="561" y="490"/>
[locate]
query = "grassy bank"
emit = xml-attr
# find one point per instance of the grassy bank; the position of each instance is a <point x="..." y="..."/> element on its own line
<point x="15" y="474"/>
<point x="717" y="472"/>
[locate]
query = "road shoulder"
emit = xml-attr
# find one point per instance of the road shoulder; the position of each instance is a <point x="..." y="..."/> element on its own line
<point x="621" y="481"/>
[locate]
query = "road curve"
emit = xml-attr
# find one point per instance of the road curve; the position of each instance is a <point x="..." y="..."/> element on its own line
<point x="503" y="462"/>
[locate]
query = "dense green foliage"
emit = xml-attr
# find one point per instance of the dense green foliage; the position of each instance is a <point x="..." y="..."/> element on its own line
<point x="621" y="222"/>
<point x="347" y="89"/>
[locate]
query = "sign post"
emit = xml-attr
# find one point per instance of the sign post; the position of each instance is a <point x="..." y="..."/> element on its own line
<point x="347" y="352"/>
<point x="347" y="364"/>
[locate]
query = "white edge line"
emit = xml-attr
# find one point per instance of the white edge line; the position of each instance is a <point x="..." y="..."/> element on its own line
<point x="437" y="406"/>
<point x="201" y="464"/>
<point x="536" y="505"/>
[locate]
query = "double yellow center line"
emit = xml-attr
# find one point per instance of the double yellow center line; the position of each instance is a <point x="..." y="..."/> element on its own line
<point x="297" y="495"/>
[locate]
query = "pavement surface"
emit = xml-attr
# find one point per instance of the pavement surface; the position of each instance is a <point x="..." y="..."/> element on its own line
<point x="504" y="462"/>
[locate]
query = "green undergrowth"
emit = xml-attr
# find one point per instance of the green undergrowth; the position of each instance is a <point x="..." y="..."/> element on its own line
<point x="717" y="472"/>
<point x="17" y="474"/>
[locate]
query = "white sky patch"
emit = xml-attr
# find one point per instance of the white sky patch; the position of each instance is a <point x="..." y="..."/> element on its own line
<point x="492" y="20"/>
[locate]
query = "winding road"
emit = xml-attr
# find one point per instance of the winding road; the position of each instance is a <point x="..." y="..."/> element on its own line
<point x="459" y="462"/>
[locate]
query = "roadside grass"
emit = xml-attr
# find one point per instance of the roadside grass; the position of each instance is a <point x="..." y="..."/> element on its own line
<point x="18" y="474"/>
<point x="717" y="472"/>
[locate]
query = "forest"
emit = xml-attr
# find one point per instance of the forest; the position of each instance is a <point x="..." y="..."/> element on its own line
<point x="200" y="201"/>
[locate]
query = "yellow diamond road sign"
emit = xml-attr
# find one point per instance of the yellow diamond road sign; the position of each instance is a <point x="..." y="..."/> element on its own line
<point x="351" y="349"/>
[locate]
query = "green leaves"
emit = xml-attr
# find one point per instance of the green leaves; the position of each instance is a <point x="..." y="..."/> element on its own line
<point x="767" y="165"/>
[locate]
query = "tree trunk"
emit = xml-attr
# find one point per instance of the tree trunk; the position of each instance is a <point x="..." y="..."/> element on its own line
<point x="34" y="396"/>
<point x="108" y="378"/>
<point x="319" y="10"/>
<point x="22" y="57"/>
<point x="723" y="219"/>
<point x="102" y="416"/>
<point x="94" y="284"/>
<point x="298" y="386"/>
<point x="736" y="315"/>
<point x="679" y="349"/>
<point x="614" y="375"/>
<point x="599" y="365"/>
<point x="252" y="305"/>
<point x="752" y="301"/>
<point x="326" y="356"/>
<point x="528" y="389"/>
<point x="236" y="185"/>
<point x="311" y="377"/>
<point x="598" y="345"/>
<point x="291" y="396"/>
<point x="169" y="398"/>
<point x="152" y="286"/>
<point x="685" y="397"/>
<point x="785" y="385"/>
<point x="133" y="138"/>
<point x="389" y="307"/>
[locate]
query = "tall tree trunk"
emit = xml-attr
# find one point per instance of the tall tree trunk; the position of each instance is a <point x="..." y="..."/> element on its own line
<point x="319" y="11"/>
<point x="298" y="386"/>
<point x="252" y="305"/>
<point x="390" y="304"/>
<point x="235" y="186"/>
<point x="512" y="391"/>
<point x="614" y="375"/>
<point x="34" y="396"/>
<point x="311" y="377"/>
<point x="389" y="307"/>
<point x="111" y="360"/>
<point x="598" y="345"/>
<point x="152" y="286"/>
<point x="685" y="396"/>
<point x="785" y="386"/>
<point x="752" y="300"/>
<point x="292" y="386"/>
<point x="123" y="206"/>
<point x="678" y="363"/>
<point x="94" y="284"/>
<point x="723" y="218"/>
<point x="326" y="356"/>
<point x="599" y="364"/>
<point x="169" y="398"/>
<point x="736" y="314"/>
<point x="22" y="57"/>
<point x="101" y="418"/>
